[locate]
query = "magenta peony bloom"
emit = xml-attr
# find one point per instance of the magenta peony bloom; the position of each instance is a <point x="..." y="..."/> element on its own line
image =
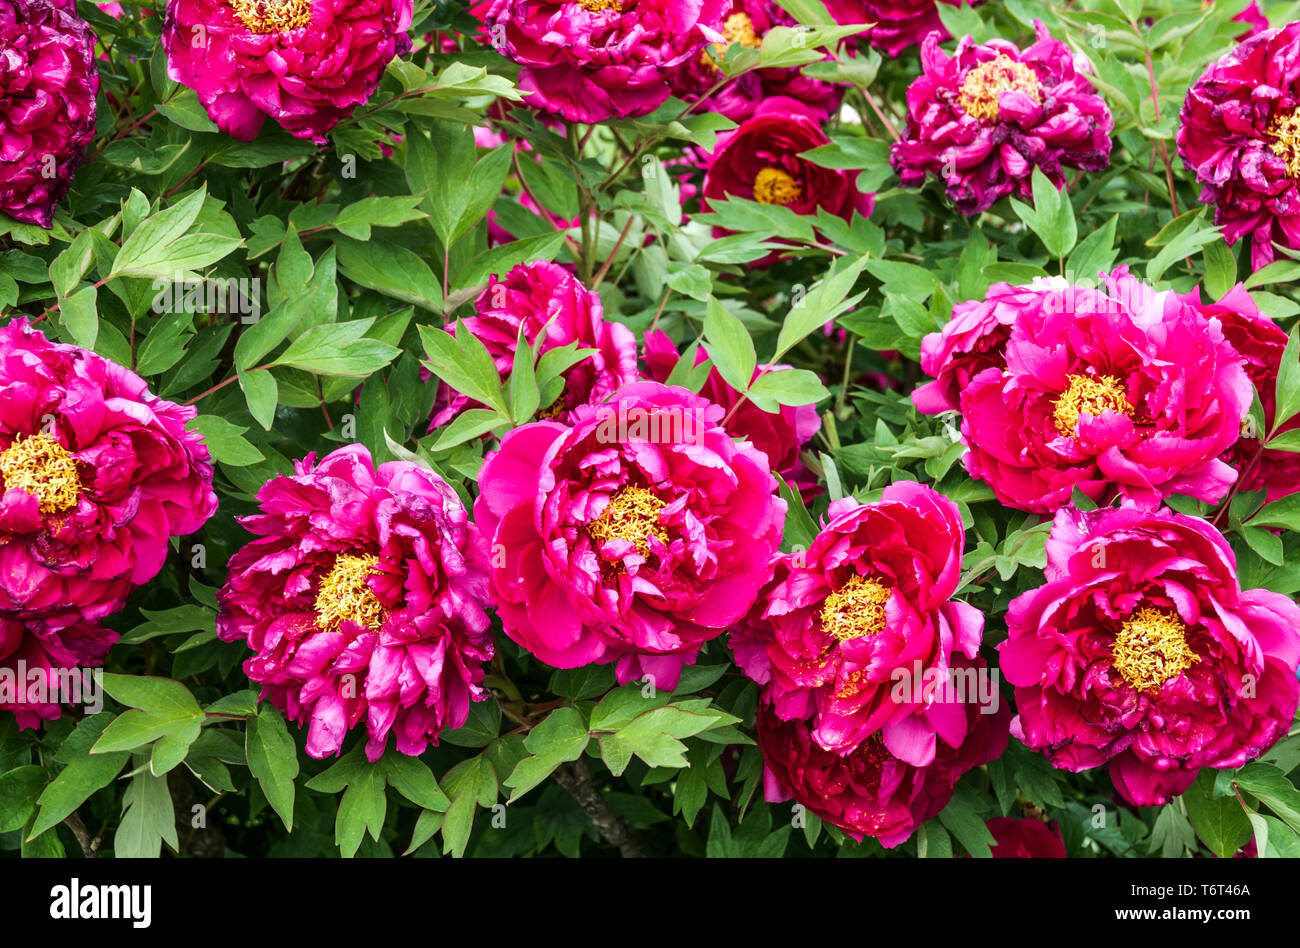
<point x="1261" y="343"/>
<point x="97" y="472"/>
<point x="899" y="24"/>
<point x="759" y="161"/>
<point x="594" y="60"/>
<point x="1142" y="651"/>
<point x="48" y="84"/>
<point x="1114" y="390"/>
<point x="537" y="296"/>
<point x="305" y="63"/>
<point x="747" y="24"/>
<point x="37" y="660"/>
<point x="1025" y="839"/>
<point x="986" y="117"/>
<point x="362" y="598"/>
<point x="636" y="534"/>
<point x="1240" y="135"/>
<point x="780" y="436"/>
<point x="844" y="626"/>
<point x="869" y="791"/>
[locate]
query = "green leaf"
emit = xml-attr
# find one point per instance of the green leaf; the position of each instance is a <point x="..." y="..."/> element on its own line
<point x="586" y="681"/>
<point x="1220" y="823"/>
<point x="390" y="269"/>
<point x="480" y="728"/>
<point x="1220" y="268"/>
<point x="273" y="760"/>
<point x="413" y="779"/>
<point x="780" y="387"/>
<point x="262" y="394"/>
<point x="19" y="790"/>
<point x="1273" y="790"/>
<point x="84" y="774"/>
<point x="730" y="347"/>
<point x="226" y="441"/>
<point x="150" y="240"/>
<point x="148" y="819"/>
<point x="1094" y="254"/>
<point x="355" y="220"/>
<point x="1288" y="380"/>
<point x="963" y="818"/>
<point x="162" y="712"/>
<point x="80" y="314"/>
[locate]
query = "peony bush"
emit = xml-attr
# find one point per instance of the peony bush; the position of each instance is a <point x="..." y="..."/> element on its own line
<point x="618" y="427"/>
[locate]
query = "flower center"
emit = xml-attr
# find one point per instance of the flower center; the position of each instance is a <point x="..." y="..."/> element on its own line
<point x="272" y="16"/>
<point x="1151" y="648"/>
<point x="855" y="609"/>
<point x="41" y="466"/>
<point x="1285" y="129"/>
<point x="737" y="28"/>
<point x="632" y="514"/>
<point x="774" y="186"/>
<point x="595" y="6"/>
<point x="345" y="595"/>
<point x="987" y="81"/>
<point x="1089" y="396"/>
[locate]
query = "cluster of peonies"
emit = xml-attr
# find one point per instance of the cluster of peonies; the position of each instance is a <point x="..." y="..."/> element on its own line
<point x="874" y="698"/>
<point x="48" y="84"/>
<point x="96" y="474"/>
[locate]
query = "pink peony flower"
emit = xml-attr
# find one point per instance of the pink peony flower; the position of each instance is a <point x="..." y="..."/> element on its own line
<point x="635" y="534"/>
<point x="362" y="598"/>
<point x="986" y="117"/>
<point x="869" y="791"/>
<point x="1240" y="136"/>
<point x="780" y="436"/>
<point x="846" y="633"/>
<point x="48" y="84"/>
<point x="97" y="472"/>
<point x="594" y="60"/>
<point x="1114" y="390"/>
<point x="305" y="63"/>
<point x="747" y="24"/>
<point x="544" y="296"/>
<point x="1141" y="650"/>
<point x="1025" y="839"/>
<point x="37" y="659"/>
<point x="899" y="24"/>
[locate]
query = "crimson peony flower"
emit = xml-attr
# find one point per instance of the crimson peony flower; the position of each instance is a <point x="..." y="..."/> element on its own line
<point x="37" y="659"/>
<point x="747" y="24"/>
<point x="1141" y="650"/>
<point x="97" y="472"/>
<point x="362" y="598"/>
<point x="1240" y="135"/>
<point x="305" y="63"/>
<point x="48" y="84"/>
<point x="1261" y="343"/>
<point x="544" y="296"/>
<point x="779" y="436"/>
<point x="858" y="634"/>
<point x="986" y="117"/>
<point x="1025" y="839"/>
<point x="869" y="791"/>
<point x="1114" y="390"/>
<point x="635" y="534"/>
<point x="760" y="161"/>
<point x="593" y="60"/>
<point x="899" y="24"/>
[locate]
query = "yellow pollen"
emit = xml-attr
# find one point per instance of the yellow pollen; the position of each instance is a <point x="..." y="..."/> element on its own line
<point x="855" y="609"/>
<point x="595" y="6"/>
<point x="1285" y="128"/>
<point x="987" y="81"/>
<point x="344" y="594"/>
<point x="774" y="186"/>
<point x="272" y="16"/>
<point x="1089" y="396"/>
<point x="632" y="514"/>
<point x="738" y="28"/>
<point x="41" y="466"/>
<point x="1151" y="648"/>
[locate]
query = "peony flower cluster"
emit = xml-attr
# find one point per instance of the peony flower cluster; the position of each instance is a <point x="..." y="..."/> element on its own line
<point x="1240" y="136"/>
<point x="362" y="599"/>
<point x="1115" y="390"/>
<point x="986" y="117"/>
<point x="97" y="474"/>
<point x="1141" y="650"/>
<point x="48" y="84"/>
<point x="593" y="60"/>
<point x="544" y="297"/>
<point x="874" y="697"/>
<point x="304" y="63"/>
<point x="634" y="534"/>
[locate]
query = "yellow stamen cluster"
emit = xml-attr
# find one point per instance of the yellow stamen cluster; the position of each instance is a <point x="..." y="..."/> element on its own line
<point x="632" y="514"/>
<point x="737" y="28"/>
<point x="42" y="467"/>
<point x="855" y="609"/>
<point x="1151" y="648"/>
<point x="1086" y="395"/>
<point x="1285" y="129"/>
<point x="984" y="84"/>
<point x="774" y="186"/>
<point x="595" y="6"/>
<point x="344" y="594"/>
<point x="272" y="16"/>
